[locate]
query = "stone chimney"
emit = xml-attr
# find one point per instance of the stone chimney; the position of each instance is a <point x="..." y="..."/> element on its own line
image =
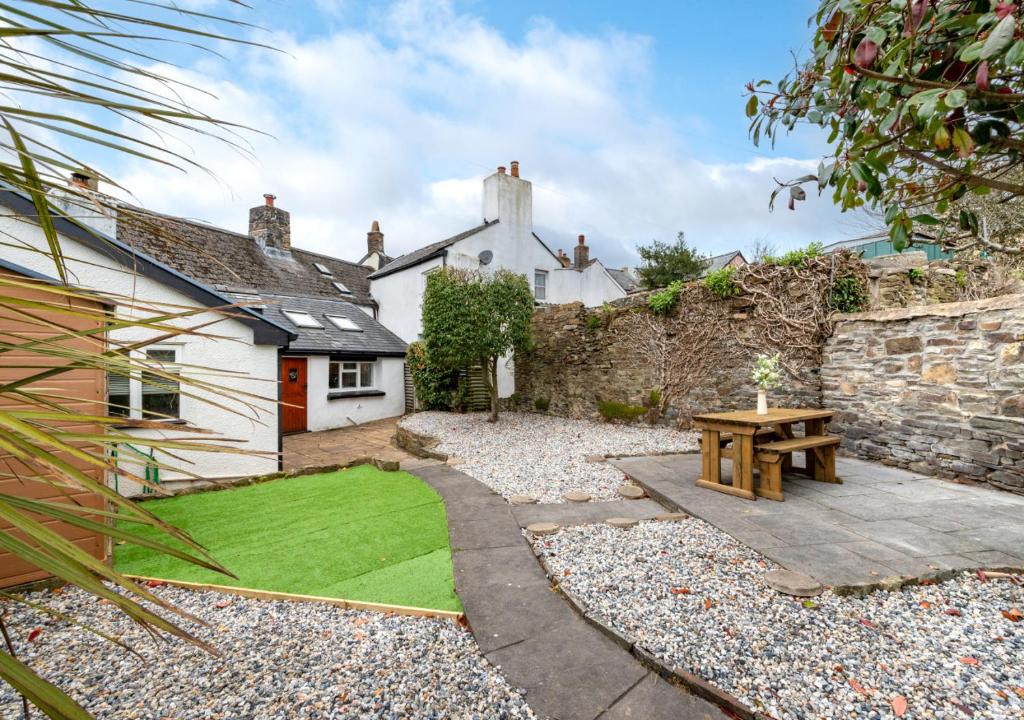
<point x="375" y="240"/>
<point x="581" y="254"/>
<point x="563" y="259"/>
<point x="509" y="199"/>
<point x="270" y="226"/>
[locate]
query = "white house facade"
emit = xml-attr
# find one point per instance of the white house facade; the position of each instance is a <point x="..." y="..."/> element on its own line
<point x="245" y="361"/>
<point x="505" y="239"/>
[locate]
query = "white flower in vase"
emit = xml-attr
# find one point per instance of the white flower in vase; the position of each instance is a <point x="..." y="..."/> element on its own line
<point x="767" y="375"/>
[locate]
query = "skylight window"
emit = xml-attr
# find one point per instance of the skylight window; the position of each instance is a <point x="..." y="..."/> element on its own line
<point x="322" y="268"/>
<point x="343" y="323"/>
<point x="341" y="287"/>
<point x="302" y="319"/>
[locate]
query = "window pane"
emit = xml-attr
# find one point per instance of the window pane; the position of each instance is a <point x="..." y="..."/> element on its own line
<point x="160" y="394"/>
<point x="366" y="375"/>
<point x="350" y="366"/>
<point x="349" y="378"/>
<point x="332" y="376"/>
<point x="540" y="284"/>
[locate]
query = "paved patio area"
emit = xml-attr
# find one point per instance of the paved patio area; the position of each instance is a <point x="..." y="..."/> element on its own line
<point x="337" y="447"/>
<point x="880" y="522"/>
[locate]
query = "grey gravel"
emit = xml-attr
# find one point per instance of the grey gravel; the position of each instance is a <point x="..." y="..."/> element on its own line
<point x="542" y="455"/>
<point x="278" y="660"/>
<point x="696" y="599"/>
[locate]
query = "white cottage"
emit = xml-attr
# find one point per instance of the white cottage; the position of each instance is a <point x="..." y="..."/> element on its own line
<point x="504" y="239"/>
<point x="246" y="360"/>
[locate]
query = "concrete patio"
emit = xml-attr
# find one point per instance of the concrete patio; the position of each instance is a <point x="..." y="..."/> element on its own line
<point x="879" y="523"/>
<point x="343" y="445"/>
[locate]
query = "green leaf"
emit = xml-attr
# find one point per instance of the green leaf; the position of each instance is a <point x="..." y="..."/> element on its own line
<point x="752" y="106"/>
<point x="1015" y="55"/>
<point x="1000" y="37"/>
<point x="972" y="52"/>
<point x="926" y="219"/>
<point x="955" y="98"/>
<point x="810" y="605"/>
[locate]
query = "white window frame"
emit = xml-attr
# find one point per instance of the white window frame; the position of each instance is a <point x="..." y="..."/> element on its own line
<point x="296" y="318"/>
<point x="135" y="383"/>
<point x="340" y="287"/>
<point x="323" y="269"/>
<point x="340" y="322"/>
<point x="540" y="290"/>
<point x="357" y="369"/>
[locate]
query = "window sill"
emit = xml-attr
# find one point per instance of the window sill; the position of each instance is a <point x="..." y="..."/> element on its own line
<point x="175" y="421"/>
<point x="342" y="394"/>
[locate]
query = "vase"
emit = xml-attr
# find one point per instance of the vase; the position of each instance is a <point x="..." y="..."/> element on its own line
<point x="762" y="402"/>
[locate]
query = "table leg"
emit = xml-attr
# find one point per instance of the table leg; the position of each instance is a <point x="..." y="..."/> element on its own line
<point x="743" y="463"/>
<point x="811" y="461"/>
<point x="711" y="455"/>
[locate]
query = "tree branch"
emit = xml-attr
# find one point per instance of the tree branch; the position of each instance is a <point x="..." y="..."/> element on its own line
<point x="933" y="85"/>
<point x="972" y="179"/>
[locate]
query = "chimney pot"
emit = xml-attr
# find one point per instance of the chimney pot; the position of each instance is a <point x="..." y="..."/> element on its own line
<point x="84" y="179"/>
<point x="582" y="239"/>
<point x="270" y="226"/>
<point x="515" y="168"/>
<point x="501" y="169"/>
<point x="375" y="240"/>
<point x="269" y="198"/>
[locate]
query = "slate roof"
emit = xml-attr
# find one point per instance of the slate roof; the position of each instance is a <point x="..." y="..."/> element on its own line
<point x="375" y="340"/>
<point x="427" y="252"/>
<point x="720" y="261"/>
<point x="232" y="262"/>
<point x="625" y="280"/>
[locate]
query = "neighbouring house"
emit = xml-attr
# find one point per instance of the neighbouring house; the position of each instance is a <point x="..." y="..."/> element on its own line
<point x="879" y="245"/>
<point x="504" y="239"/>
<point x="83" y="387"/>
<point x="343" y="367"/>
<point x="243" y="357"/>
<point x="732" y="259"/>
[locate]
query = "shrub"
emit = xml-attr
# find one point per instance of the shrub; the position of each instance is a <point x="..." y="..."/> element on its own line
<point x="961" y="279"/>
<point x="720" y="282"/>
<point x="663" y="301"/>
<point x="916" y="275"/>
<point x="797" y="258"/>
<point x="848" y="295"/>
<point x="653" y="398"/>
<point x="460" y="398"/>
<point x="542" y="404"/>
<point x="594" y="321"/>
<point x="434" y="385"/>
<point x="612" y="410"/>
<point x="515" y="400"/>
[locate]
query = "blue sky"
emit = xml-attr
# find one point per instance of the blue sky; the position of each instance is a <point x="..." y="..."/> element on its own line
<point x="627" y="117"/>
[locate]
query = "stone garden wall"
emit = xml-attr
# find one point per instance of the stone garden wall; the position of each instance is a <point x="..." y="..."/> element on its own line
<point x="937" y="389"/>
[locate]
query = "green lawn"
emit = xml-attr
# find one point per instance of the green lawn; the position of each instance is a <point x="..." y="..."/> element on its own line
<point x="359" y="534"/>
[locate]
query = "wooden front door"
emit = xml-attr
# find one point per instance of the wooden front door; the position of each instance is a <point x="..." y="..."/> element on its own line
<point x="293" y="395"/>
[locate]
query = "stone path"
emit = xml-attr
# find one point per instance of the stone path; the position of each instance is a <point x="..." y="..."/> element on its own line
<point x="568" y="668"/>
<point x="343" y="445"/>
<point x="880" y="522"/>
<point x="566" y="514"/>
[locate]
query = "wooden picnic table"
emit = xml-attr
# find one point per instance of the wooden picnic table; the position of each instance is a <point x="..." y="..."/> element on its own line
<point x="743" y="428"/>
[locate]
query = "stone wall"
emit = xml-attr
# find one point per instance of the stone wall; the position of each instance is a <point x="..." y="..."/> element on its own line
<point x="582" y="357"/>
<point x="938" y="389"/>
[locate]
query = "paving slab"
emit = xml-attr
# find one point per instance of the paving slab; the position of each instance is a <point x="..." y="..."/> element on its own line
<point x="879" y="521"/>
<point x="566" y="514"/>
<point x="568" y="668"/>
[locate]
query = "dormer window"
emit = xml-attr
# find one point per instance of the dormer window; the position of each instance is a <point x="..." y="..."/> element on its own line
<point x="301" y="319"/>
<point x="340" y="287"/>
<point x="322" y="269"/>
<point x="343" y="323"/>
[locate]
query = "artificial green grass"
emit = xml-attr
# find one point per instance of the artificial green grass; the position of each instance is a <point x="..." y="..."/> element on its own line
<point x="359" y="534"/>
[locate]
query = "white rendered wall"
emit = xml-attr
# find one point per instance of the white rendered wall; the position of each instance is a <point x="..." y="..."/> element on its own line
<point x="593" y="286"/>
<point x="255" y="365"/>
<point x="323" y="413"/>
<point x="399" y="298"/>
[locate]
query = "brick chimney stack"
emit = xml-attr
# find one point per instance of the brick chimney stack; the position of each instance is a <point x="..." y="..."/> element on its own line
<point x="581" y="254"/>
<point x="270" y="226"/>
<point x="375" y="240"/>
<point x="563" y="259"/>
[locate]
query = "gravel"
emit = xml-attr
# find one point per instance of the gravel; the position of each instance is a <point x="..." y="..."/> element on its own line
<point x="278" y="660"/>
<point x="696" y="599"/>
<point x="541" y="455"/>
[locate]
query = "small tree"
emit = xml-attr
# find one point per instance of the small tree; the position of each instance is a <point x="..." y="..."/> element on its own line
<point x="665" y="263"/>
<point x="471" y="317"/>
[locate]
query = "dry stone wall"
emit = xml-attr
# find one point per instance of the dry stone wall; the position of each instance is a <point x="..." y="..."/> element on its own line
<point x="938" y="389"/>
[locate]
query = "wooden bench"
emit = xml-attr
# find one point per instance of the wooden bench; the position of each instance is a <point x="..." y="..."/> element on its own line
<point x="820" y="464"/>
<point x="761" y="435"/>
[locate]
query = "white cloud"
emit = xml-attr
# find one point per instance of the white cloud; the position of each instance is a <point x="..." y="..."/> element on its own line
<point x="400" y="125"/>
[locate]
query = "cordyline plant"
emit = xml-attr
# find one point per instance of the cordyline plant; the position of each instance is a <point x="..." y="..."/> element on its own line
<point x="474" y="318"/>
<point x="72" y="73"/>
<point x="924" y="102"/>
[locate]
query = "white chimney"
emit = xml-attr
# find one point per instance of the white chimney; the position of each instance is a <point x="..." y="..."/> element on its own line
<point x="509" y="199"/>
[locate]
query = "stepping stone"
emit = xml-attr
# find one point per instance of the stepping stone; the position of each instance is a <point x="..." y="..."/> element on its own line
<point x="576" y="496"/>
<point x="522" y="500"/>
<point x="544" y="528"/>
<point x="669" y="517"/>
<point x="631" y="492"/>
<point x="594" y="458"/>
<point x="622" y="522"/>
<point x="792" y="583"/>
